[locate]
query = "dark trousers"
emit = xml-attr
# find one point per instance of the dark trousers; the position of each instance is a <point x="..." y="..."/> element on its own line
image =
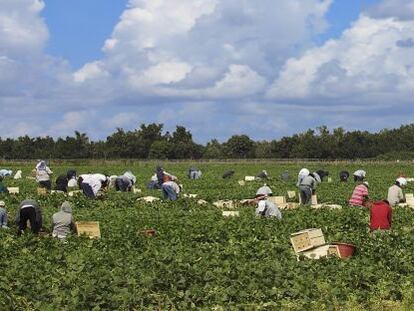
<point x="46" y="184"/>
<point x="28" y="213"/>
<point x="305" y="195"/>
<point x="120" y="185"/>
<point x="87" y="190"/>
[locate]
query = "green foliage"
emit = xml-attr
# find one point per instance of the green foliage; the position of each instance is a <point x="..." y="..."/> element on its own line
<point x="200" y="260"/>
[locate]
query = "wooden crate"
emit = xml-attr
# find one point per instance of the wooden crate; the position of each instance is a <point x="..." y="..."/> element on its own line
<point x="307" y="239"/>
<point x="289" y="205"/>
<point x="88" y="228"/>
<point x="149" y="199"/>
<point x="190" y="195"/>
<point x="41" y="191"/>
<point x="136" y="190"/>
<point x="278" y="200"/>
<point x="315" y="253"/>
<point x="231" y="213"/>
<point x="224" y="204"/>
<point x="249" y="178"/>
<point x="13" y="190"/>
<point x="291" y="194"/>
<point x="409" y="199"/>
<point x="57" y="192"/>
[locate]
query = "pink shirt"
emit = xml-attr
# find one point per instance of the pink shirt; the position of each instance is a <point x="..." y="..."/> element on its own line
<point x="358" y="195"/>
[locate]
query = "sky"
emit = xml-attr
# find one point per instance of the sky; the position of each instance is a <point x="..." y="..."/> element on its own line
<point x="266" y="68"/>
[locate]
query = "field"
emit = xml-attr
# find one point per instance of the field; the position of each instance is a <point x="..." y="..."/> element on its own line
<point x="200" y="260"/>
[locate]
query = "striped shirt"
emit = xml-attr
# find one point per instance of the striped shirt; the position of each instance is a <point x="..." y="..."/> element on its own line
<point x="358" y="195"/>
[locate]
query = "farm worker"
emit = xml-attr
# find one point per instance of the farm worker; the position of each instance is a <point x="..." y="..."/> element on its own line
<point x="92" y="183"/>
<point x="29" y="210"/>
<point x="262" y="175"/>
<point x="322" y="174"/>
<point x="228" y="174"/>
<point x="62" y="221"/>
<point x="285" y="176"/>
<point x="302" y="174"/>
<point x="360" y="195"/>
<point x="308" y="187"/>
<point x="194" y="173"/>
<point x="112" y="181"/>
<point x="3" y="188"/>
<point x="3" y="215"/>
<point x="153" y="184"/>
<point x="359" y="175"/>
<point x="170" y="190"/>
<point x="71" y="175"/>
<point x="266" y="208"/>
<point x="395" y="193"/>
<point x="380" y="216"/>
<point x="43" y="173"/>
<point x="343" y="176"/>
<point x="163" y="176"/>
<point x="62" y="183"/>
<point x="264" y="190"/>
<point x="18" y="175"/>
<point x="125" y="182"/>
<point x="5" y="173"/>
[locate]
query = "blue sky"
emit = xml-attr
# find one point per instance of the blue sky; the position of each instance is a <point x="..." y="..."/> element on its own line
<point x="219" y="67"/>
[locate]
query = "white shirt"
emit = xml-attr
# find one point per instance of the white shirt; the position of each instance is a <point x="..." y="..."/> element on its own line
<point x="95" y="181"/>
<point x="395" y="195"/>
<point x="72" y="183"/>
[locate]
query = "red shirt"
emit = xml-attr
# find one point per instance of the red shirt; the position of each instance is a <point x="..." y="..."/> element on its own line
<point x="380" y="215"/>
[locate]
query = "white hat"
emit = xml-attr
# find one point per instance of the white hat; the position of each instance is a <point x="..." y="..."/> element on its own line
<point x="366" y="183"/>
<point x="402" y="181"/>
<point x="2" y="204"/>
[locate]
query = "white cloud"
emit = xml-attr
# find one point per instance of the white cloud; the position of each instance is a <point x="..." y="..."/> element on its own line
<point x="366" y="61"/>
<point x="191" y="44"/>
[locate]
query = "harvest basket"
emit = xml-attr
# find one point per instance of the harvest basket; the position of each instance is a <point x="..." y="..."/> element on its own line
<point x="344" y="250"/>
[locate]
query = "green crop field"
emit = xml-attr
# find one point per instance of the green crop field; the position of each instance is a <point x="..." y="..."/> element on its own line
<point x="201" y="260"/>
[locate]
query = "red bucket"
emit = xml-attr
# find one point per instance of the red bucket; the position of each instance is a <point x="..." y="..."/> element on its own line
<point x="345" y="249"/>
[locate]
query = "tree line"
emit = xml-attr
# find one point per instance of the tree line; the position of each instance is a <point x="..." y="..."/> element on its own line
<point x="151" y="142"/>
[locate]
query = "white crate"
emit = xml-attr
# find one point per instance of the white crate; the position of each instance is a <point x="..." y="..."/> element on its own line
<point x="307" y="239"/>
<point x="249" y="178"/>
<point x="149" y="199"/>
<point x="231" y="213"/>
<point x="13" y="190"/>
<point x="409" y="199"/>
